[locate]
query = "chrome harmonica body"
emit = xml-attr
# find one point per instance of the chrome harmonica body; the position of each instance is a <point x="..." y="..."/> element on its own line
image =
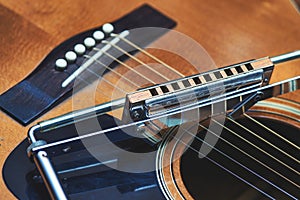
<point x="167" y="97"/>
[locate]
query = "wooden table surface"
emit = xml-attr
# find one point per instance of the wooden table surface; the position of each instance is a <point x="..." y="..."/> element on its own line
<point x="231" y="31"/>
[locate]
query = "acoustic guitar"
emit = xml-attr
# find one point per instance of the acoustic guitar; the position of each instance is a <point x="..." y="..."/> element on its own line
<point x="165" y="123"/>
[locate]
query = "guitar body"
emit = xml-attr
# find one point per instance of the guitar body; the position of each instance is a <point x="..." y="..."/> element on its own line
<point x="229" y="31"/>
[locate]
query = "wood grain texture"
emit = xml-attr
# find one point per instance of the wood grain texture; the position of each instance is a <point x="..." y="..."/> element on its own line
<point x="231" y="31"/>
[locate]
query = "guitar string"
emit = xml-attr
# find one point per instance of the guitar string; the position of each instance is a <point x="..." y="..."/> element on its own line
<point x="107" y="81"/>
<point x="240" y="164"/>
<point x="264" y="140"/>
<point x="110" y="69"/>
<point x="140" y="49"/>
<point x="125" y="65"/>
<point x="250" y="156"/>
<point x="148" y="54"/>
<point x="98" y="90"/>
<point x="272" y="131"/>
<point x="255" y="146"/>
<point x="136" y="59"/>
<point x="104" y="79"/>
<point x="222" y="167"/>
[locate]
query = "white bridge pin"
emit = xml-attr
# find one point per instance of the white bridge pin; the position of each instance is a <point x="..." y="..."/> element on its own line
<point x="79" y="49"/>
<point x="89" y="42"/>
<point x="60" y="64"/>
<point x="108" y="28"/>
<point x="71" y="56"/>
<point x="98" y="35"/>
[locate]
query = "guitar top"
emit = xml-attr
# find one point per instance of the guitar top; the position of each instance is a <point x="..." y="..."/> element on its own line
<point x="230" y="32"/>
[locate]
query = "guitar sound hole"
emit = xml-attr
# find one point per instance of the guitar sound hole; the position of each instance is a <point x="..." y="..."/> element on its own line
<point x="205" y="180"/>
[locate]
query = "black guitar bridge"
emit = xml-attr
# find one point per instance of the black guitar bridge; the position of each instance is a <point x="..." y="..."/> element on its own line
<point x="49" y="84"/>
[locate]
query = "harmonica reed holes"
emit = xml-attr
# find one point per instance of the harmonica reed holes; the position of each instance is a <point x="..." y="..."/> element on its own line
<point x="164" y="89"/>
